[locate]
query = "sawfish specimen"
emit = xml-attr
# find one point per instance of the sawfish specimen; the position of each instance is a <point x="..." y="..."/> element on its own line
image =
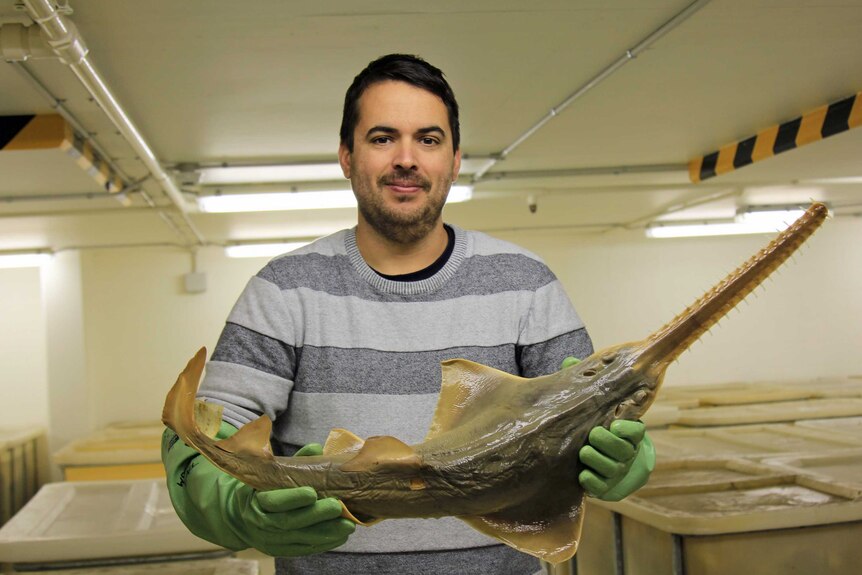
<point x="502" y="451"/>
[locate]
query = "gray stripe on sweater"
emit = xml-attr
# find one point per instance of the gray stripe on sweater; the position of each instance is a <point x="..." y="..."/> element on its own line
<point x="336" y="275"/>
<point x="333" y="321"/>
<point x="232" y="386"/>
<point x="495" y="560"/>
<point x="338" y="370"/>
<point x="312" y="415"/>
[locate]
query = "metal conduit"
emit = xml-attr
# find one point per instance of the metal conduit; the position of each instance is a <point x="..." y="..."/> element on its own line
<point x="595" y="81"/>
<point x="73" y="121"/>
<point x="67" y="43"/>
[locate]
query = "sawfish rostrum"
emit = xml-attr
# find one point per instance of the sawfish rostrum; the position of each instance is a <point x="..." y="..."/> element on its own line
<point x="502" y="451"/>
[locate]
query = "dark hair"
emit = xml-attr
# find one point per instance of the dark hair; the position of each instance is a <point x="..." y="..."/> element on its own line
<point x="403" y="68"/>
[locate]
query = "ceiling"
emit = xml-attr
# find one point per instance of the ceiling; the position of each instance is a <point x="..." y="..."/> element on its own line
<point x="210" y="82"/>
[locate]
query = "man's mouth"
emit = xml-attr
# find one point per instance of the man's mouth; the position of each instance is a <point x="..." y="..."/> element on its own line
<point x="404" y="188"/>
<point x="405" y="185"/>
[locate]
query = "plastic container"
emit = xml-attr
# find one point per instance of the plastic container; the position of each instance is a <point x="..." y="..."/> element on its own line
<point x="845" y="426"/>
<point x="743" y="393"/>
<point x="100" y="519"/>
<point x="751" y="441"/>
<point x="779" y="411"/>
<point x="133" y="428"/>
<point x="688" y="396"/>
<point x="830" y="387"/>
<point x="115" y="453"/>
<point x="838" y="470"/>
<point x="714" y="517"/>
<point x="23" y="467"/>
<point x="661" y="415"/>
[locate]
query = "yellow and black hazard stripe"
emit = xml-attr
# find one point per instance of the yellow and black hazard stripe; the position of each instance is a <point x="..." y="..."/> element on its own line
<point x="821" y="123"/>
<point x="42" y="132"/>
<point x="91" y="162"/>
<point x="32" y="132"/>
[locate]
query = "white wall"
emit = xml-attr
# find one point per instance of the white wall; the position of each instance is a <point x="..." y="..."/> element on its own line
<point x="23" y="377"/>
<point x="140" y="327"/>
<point x="70" y="394"/>
<point x="806" y="322"/>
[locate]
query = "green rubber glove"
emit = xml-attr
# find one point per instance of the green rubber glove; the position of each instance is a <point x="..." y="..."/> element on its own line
<point x="569" y="361"/>
<point x="619" y="461"/>
<point x="225" y="511"/>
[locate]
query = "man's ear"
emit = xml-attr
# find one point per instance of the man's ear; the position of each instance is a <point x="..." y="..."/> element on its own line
<point x="456" y="165"/>
<point x="344" y="160"/>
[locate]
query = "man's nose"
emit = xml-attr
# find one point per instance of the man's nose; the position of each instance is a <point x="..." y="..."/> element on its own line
<point x="405" y="156"/>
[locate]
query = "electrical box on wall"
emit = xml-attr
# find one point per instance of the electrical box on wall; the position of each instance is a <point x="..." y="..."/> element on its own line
<point x="195" y="282"/>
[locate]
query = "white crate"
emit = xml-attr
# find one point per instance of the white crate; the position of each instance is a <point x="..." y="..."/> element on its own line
<point x="97" y="519"/>
<point x="23" y="467"/>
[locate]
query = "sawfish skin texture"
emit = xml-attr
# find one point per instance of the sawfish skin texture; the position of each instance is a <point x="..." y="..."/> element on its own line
<point x="502" y="451"/>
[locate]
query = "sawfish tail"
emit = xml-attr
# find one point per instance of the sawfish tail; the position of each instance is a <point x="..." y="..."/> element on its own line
<point x="196" y="424"/>
<point x="666" y="344"/>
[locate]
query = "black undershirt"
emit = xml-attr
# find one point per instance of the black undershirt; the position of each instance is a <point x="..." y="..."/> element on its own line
<point x="426" y="273"/>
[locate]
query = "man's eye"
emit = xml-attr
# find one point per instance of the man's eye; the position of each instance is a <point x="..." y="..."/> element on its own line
<point x="428" y="141"/>
<point x="381" y="139"/>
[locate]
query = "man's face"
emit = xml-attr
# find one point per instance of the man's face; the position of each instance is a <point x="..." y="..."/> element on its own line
<point x="402" y="163"/>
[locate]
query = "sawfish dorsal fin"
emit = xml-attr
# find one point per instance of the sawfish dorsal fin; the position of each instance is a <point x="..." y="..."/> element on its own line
<point x="251" y="440"/>
<point x="550" y="536"/>
<point x="468" y="388"/>
<point x="341" y="441"/>
<point x="383" y="452"/>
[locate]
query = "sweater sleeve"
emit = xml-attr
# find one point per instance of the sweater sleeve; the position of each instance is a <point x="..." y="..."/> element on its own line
<point x="552" y="331"/>
<point x="252" y="368"/>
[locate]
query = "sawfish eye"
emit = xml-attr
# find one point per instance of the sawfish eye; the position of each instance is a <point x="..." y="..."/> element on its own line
<point x="608" y="359"/>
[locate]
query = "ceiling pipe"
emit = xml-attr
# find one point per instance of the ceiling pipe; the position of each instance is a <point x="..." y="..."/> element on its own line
<point x="58" y="107"/>
<point x="19" y="43"/>
<point x="681" y="169"/>
<point x="595" y="81"/>
<point x="61" y="34"/>
<point x="129" y="186"/>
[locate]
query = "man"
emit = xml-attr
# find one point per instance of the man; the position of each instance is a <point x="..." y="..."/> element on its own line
<point x="350" y="331"/>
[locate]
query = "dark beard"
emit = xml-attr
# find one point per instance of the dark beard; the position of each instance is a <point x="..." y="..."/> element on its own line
<point x="401" y="229"/>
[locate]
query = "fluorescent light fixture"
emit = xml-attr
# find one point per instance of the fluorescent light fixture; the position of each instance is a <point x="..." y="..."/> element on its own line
<point x="277" y="201"/>
<point x="24" y="260"/>
<point x="262" y="250"/>
<point x="769" y="220"/>
<point x="459" y="194"/>
<point x="751" y="221"/>
<point x="270" y="174"/>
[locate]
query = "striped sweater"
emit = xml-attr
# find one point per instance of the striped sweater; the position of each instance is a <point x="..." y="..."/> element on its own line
<point x="319" y="340"/>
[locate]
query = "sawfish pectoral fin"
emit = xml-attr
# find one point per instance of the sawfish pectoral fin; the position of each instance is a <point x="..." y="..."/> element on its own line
<point x="467" y="388"/>
<point x="551" y="538"/>
<point x="346" y="513"/>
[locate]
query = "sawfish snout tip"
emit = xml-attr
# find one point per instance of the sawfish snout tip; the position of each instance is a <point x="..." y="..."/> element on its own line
<point x="819" y="208"/>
